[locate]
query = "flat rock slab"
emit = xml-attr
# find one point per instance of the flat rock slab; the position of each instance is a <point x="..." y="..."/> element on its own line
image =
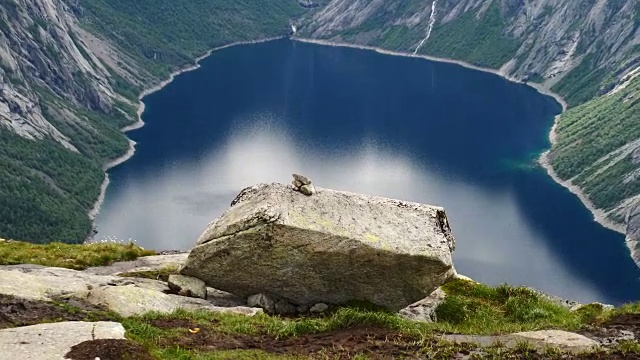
<point x="124" y="295"/>
<point x="132" y="300"/>
<point x="328" y="248"/>
<point x="35" y="282"/>
<point x="563" y="340"/>
<point x="53" y="341"/>
<point x="557" y="338"/>
<point x="145" y="263"/>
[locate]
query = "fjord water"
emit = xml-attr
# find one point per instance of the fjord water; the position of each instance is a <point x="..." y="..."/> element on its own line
<point x="361" y="121"/>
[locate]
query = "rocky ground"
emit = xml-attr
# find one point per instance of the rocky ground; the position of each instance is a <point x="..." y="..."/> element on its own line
<point x="328" y="336"/>
<point x="374" y="342"/>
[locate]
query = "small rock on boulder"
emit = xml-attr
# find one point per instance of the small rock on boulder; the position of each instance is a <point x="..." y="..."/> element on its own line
<point x="331" y="248"/>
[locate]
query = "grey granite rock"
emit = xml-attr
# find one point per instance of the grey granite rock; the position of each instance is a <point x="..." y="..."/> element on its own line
<point x="332" y="247"/>
<point x="145" y="263"/>
<point x="319" y="308"/>
<point x="425" y="309"/>
<point x="301" y="179"/>
<point x="188" y="286"/>
<point x="271" y="304"/>
<point x="308" y="190"/>
<point x="53" y="341"/>
<point x="132" y="300"/>
<point x="541" y="340"/>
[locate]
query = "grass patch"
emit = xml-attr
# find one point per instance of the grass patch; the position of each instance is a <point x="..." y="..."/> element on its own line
<point x="77" y="257"/>
<point x="472" y="308"/>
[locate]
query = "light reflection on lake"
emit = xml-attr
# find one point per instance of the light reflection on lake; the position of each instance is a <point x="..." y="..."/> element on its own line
<point x="170" y="211"/>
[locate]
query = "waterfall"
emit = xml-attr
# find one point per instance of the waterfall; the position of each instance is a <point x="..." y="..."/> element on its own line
<point x="432" y="21"/>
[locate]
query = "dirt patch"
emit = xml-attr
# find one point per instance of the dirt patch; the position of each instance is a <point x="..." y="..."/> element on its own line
<point x="377" y="343"/>
<point x="108" y="349"/>
<point x="19" y="312"/>
<point x="612" y="356"/>
<point x="374" y="342"/>
<point x="629" y="321"/>
<point x="623" y="327"/>
<point x="174" y="324"/>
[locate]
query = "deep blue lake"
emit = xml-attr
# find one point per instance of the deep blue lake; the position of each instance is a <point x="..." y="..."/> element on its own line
<point x="361" y="121"/>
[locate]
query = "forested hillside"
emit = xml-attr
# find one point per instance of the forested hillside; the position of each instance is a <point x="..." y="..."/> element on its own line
<point x="70" y="75"/>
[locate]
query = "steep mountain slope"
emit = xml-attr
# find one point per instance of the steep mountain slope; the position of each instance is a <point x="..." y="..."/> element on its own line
<point x="70" y="74"/>
<point x="53" y="91"/>
<point x="586" y="51"/>
<point x="530" y="40"/>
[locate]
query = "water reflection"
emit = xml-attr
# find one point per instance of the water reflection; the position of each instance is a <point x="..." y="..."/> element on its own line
<point x="169" y="209"/>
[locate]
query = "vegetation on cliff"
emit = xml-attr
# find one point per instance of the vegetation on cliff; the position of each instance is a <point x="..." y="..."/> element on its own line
<point x="595" y="147"/>
<point x="46" y="190"/>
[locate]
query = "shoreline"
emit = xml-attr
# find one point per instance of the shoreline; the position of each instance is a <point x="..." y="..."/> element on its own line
<point x="418" y="56"/>
<point x="97" y="205"/>
<point x="599" y="216"/>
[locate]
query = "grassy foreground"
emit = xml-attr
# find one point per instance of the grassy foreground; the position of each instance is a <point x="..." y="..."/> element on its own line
<point x="355" y="331"/>
<point x="364" y="332"/>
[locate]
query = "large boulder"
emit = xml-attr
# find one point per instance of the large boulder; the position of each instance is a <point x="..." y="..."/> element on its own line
<point x="331" y="247"/>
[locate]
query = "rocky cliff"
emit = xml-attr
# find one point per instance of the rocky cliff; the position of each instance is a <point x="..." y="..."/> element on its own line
<point x="40" y="51"/>
<point x="586" y="51"/>
<point x="531" y="39"/>
<point x="70" y="75"/>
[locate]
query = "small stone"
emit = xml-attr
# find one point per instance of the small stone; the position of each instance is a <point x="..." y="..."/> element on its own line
<point x="271" y="305"/>
<point x="301" y="178"/>
<point x="563" y="340"/>
<point x="188" y="286"/>
<point x="264" y="301"/>
<point x="425" y="309"/>
<point x="319" y="308"/>
<point x="308" y="190"/>
<point x="296" y="184"/>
